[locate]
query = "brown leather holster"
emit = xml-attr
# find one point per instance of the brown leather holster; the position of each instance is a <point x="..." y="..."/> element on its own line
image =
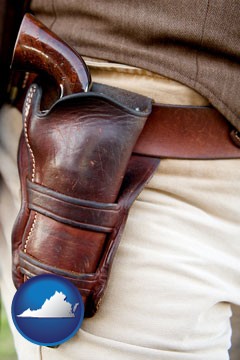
<point x="78" y="180"/>
<point x="83" y="162"/>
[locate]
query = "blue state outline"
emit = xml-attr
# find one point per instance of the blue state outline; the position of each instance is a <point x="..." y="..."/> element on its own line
<point x="55" y="278"/>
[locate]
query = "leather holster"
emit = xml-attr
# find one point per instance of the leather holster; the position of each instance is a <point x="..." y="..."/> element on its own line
<point x="78" y="180"/>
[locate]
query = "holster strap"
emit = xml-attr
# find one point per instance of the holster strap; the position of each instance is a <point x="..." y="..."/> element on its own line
<point x="84" y="214"/>
<point x="185" y="132"/>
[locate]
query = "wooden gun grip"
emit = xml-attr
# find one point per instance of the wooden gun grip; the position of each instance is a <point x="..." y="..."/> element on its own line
<point x="39" y="50"/>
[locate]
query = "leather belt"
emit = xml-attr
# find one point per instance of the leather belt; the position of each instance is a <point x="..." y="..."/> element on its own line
<point x="186" y="132"/>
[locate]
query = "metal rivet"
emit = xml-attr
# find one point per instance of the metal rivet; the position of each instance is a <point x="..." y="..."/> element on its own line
<point x="235" y="136"/>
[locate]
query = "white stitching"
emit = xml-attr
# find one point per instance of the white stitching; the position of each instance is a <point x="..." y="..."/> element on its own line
<point x="26" y="113"/>
<point x="30" y="232"/>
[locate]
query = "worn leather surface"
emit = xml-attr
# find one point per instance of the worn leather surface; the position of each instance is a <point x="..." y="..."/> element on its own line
<point x="77" y="185"/>
<point x="82" y="164"/>
<point x="188" y="132"/>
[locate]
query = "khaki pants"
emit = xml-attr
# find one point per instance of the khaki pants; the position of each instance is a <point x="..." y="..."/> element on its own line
<point x="177" y="269"/>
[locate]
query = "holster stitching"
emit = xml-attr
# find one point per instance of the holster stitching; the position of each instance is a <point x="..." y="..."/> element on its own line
<point x="27" y="107"/>
<point x="30" y="232"/>
<point x="26" y="113"/>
